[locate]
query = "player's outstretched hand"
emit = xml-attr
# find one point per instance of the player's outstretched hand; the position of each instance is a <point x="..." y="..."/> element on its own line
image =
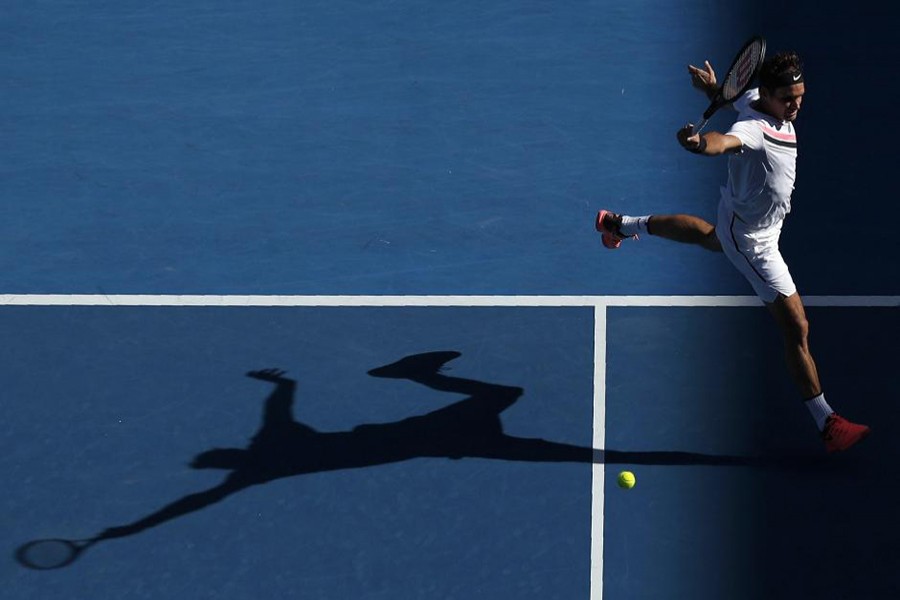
<point x="273" y="375"/>
<point x="704" y="79"/>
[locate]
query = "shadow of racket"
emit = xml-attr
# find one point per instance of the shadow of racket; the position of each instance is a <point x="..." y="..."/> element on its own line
<point x="46" y="554"/>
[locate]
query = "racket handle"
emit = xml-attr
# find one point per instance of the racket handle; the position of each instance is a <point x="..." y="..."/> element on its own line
<point x="700" y="125"/>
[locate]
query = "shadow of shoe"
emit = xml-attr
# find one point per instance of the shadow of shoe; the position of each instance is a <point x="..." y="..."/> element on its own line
<point x="417" y="365"/>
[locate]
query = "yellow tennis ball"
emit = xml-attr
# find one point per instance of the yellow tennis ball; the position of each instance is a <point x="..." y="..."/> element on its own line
<point x="626" y="480"/>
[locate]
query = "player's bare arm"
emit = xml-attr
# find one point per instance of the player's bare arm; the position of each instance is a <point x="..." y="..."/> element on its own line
<point x="711" y="143"/>
<point x="704" y="79"/>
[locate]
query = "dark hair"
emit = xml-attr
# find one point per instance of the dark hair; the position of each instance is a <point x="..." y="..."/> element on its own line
<point x="773" y="70"/>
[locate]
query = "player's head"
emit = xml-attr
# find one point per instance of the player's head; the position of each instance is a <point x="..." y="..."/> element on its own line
<point x="781" y="86"/>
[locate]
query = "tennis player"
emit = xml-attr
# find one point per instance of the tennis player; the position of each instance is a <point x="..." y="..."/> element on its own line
<point x="762" y="149"/>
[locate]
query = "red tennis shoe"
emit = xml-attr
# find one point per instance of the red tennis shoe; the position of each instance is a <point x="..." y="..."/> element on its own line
<point x="840" y="434"/>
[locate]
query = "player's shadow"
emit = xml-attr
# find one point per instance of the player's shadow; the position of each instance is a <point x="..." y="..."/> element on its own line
<point x="284" y="447"/>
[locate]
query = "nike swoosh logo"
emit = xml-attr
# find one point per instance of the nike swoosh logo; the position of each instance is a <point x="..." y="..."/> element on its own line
<point x="797" y="76"/>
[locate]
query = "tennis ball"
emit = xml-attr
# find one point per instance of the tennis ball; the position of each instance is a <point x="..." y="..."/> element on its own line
<point x="626" y="480"/>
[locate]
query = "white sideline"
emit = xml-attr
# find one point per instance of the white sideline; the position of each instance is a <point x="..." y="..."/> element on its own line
<point x="598" y="470"/>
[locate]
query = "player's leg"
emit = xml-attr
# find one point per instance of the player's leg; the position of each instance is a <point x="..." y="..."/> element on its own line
<point x="838" y="432"/>
<point x="764" y="267"/>
<point x="686" y="229"/>
<point x="790" y="316"/>
<point x="757" y="257"/>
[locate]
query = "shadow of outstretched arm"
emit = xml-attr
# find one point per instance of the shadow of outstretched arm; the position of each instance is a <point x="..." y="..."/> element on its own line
<point x="186" y="505"/>
<point x="247" y="466"/>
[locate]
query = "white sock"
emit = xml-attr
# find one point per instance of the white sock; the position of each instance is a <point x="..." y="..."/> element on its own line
<point x="634" y="225"/>
<point x="819" y="409"/>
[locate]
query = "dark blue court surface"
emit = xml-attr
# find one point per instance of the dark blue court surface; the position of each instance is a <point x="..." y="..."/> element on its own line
<point x="401" y="147"/>
<point x="736" y="497"/>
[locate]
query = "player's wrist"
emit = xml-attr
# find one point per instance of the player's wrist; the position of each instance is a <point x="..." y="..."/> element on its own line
<point x="700" y="147"/>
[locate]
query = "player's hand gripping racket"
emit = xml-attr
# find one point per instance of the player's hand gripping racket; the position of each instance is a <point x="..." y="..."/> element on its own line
<point x="741" y="74"/>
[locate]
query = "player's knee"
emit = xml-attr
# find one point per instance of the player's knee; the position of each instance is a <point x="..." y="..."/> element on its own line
<point x="797" y="330"/>
<point x="711" y="241"/>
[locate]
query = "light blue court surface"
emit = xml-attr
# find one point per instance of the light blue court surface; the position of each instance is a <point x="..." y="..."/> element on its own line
<point x="112" y="404"/>
<point x="413" y="148"/>
<point x="406" y="147"/>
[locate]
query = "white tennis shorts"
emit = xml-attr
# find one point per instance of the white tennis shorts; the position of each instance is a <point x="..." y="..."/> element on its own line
<point x="755" y="254"/>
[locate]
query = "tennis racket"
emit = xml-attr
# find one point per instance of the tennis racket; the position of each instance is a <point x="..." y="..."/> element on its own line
<point x="52" y="553"/>
<point x="738" y="79"/>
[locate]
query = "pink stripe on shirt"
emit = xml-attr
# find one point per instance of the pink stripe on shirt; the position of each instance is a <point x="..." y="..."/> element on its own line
<point x="787" y="137"/>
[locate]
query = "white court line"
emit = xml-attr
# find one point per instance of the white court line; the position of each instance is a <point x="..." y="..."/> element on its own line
<point x="512" y="301"/>
<point x="600" y="304"/>
<point x="598" y="470"/>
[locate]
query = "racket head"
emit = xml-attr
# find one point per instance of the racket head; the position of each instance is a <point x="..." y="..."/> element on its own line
<point x="51" y="553"/>
<point x="744" y="68"/>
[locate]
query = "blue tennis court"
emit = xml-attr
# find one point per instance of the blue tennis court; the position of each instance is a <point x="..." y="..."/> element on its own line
<point x="393" y="202"/>
<point x="108" y="438"/>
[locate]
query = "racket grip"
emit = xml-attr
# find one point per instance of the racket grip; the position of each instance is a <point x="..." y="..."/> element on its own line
<point x="700" y="125"/>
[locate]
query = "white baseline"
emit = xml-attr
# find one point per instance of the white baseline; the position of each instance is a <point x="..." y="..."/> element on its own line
<point x="512" y="301"/>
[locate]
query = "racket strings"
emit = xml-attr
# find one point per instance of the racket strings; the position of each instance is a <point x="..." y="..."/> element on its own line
<point x="743" y="70"/>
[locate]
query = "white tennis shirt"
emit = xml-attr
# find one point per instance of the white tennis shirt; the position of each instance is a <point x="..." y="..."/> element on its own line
<point x="761" y="176"/>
